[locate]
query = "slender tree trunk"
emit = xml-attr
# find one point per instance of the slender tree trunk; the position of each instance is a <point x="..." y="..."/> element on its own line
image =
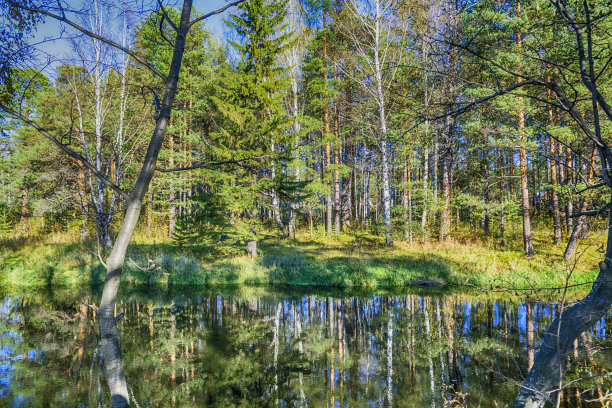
<point x="580" y="225"/>
<point x="527" y="242"/>
<point x="390" y="360"/>
<point x="310" y="221"/>
<point x="445" y="215"/>
<point x="425" y="169"/>
<point x="568" y="181"/>
<point x="434" y="175"/>
<point x="383" y="130"/>
<point x="530" y="335"/>
<point x="276" y="212"/>
<point x="366" y="197"/>
<point x="109" y="344"/>
<point x="81" y="194"/>
<point x="407" y="199"/>
<point x="349" y="187"/>
<point x="425" y="191"/>
<point x="103" y="213"/>
<point x="24" y="210"/>
<point x="485" y="190"/>
<point x="502" y="218"/>
<point x="553" y="182"/>
<point x="172" y="196"/>
<point x="296" y="130"/>
<point x="326" y="125"/>
<point x="337" y="195"/>
<point x="545" y="377"/>
<point x="337" y="143"/>
<point x="150" y="214"/>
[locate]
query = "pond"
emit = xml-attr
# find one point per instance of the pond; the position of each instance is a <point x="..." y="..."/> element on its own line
<point x="262" y="347"/>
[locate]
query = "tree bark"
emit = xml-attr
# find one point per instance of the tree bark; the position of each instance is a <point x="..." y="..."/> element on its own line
<point x="568" y="180"/>
<point x="485" y="190"/>
<point x="545" y="376"/>
<point x="24" y="210"/>
<point x="337" y="142"/>
<point x="349" y="185"/>
<point x="426" y="144"/>
<point x="553" y="179"/>
<point x="114" y="264"/>
<point x="549" y="365"/>
<point x="554" y="195"/>
<point x="425" y="190"/>
<point x="383" y="130"/>
<point x="276" y="211"/>
<point x="502" y="217"/>
<point x="445" y="215"/>
<point x="82" y="192"/>
<point x="407" y="199"/>
<point x="172" y="196"/>
<point x="326" y="125"/>
<point x="580" y="225"/>
<point x="150" y="214"/>
<point x="527" y="242"/>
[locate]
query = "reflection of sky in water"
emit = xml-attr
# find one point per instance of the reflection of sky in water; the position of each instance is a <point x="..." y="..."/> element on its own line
<point x="304" y="322"/>
<point x="12" y="353"/>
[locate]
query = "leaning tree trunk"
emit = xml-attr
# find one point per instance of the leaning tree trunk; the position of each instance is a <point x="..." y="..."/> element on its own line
<point x="548" y="368"/>
<point x="114" y="264"/>
<point x="549" y="365"/>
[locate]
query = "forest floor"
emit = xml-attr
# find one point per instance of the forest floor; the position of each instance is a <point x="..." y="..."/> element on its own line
<point x="358" y="260"/>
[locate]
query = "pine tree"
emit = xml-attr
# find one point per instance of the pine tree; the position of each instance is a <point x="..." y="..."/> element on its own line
<point x="253" y="129"/>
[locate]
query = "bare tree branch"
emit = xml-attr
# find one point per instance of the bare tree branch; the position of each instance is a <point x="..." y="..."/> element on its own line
<point x="62" y="18"/>
<point x="72" y="153"/>
<point x="203" y="165"/>
<point x="212" y="13"/>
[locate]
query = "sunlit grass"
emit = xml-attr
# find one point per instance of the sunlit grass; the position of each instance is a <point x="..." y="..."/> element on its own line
<point x="358" y="259"/>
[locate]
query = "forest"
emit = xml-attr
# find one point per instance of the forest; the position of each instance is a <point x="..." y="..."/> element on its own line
<point x="354" y="151"/>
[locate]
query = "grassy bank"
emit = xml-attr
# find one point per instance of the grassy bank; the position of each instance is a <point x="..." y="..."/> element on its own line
<point x="358" y="260"/>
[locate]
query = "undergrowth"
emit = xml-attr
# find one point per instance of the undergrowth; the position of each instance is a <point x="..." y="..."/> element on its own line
<point x="357" y="260"/>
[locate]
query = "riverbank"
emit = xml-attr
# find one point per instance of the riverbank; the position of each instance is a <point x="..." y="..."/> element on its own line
<point x="351" y="261"/>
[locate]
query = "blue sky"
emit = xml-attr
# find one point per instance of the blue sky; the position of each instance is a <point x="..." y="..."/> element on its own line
<point x="53" y="52"/>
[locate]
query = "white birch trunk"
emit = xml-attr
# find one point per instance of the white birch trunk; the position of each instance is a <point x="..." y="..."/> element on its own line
<point x="383" y="130"/>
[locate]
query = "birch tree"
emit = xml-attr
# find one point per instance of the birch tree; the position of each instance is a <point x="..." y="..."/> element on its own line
<point x="374" y="38"/>
<point x="105" y="151"/>
<point x="134" y="198"/>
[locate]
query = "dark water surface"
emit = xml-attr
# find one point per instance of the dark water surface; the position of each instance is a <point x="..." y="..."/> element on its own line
<point x="264" y="347"/>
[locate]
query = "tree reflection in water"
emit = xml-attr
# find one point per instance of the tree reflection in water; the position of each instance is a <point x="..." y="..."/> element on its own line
<point x="262" y="348"/>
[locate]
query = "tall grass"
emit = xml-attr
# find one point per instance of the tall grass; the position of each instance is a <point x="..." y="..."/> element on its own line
<point x="356" y="260"/>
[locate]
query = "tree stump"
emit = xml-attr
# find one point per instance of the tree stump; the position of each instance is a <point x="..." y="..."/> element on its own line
<point x="252" y="248"/>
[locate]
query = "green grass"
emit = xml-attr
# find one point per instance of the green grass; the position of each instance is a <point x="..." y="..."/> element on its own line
<point x="350" y="261"/>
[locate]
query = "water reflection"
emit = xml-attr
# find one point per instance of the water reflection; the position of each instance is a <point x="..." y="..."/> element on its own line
<point x="259" y="348"/>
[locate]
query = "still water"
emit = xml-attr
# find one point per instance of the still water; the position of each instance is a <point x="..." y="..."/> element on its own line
<point x="258" y="347"/>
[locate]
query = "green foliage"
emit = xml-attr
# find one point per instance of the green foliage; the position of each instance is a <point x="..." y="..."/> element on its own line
<point x="205" y="221"/>
<point x="16" y="25"/>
